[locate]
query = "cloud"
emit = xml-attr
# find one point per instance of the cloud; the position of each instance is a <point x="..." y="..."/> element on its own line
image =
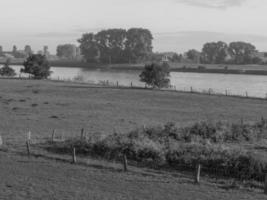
<point x="218" y="4"/>
<point x="55" y="34"/>
<point x="66" y="34"/>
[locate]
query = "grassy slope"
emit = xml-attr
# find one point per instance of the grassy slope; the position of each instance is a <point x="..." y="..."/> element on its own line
<point x="43" y="106"/>
<point x="23" y="178"/>
<point x="30" y="105"/>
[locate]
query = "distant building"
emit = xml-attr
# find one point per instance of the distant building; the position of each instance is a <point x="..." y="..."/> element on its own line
<point x="167" y="56"/>
<point x="15" y="53"/>
<point x="69" y="52"/>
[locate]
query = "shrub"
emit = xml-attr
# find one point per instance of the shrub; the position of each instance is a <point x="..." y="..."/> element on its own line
<point x="218" y="160"/>
<point x="37" y="65"/>
<point x="156" y="75"/>
<point x="6" y="70"/>
<point x="182" y="147"/>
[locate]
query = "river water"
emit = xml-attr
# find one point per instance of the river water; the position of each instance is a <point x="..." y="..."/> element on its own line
<point x="253" y="85"/>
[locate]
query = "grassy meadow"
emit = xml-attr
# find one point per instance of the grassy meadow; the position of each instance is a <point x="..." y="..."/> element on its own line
<point x="42" y="106"/>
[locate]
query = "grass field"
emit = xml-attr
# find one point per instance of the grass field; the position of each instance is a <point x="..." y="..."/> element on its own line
<point x="41" y="106"/>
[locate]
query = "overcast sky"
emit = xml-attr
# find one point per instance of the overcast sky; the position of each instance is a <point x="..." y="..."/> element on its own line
<point x="177" y="25"/>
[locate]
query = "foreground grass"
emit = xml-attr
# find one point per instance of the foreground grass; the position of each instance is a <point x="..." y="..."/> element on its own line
<point x="23" y="178"/>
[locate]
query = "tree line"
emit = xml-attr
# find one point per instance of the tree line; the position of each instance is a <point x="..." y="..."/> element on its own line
<point x="222" y="53"/>
<point x="135" y="46"/>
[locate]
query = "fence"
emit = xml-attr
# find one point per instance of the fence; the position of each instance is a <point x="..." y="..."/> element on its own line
<point x="173" y="88"/>
<point x="196" y="172"/>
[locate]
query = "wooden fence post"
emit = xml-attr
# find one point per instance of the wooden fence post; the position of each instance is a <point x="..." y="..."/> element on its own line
<point x="53" y="135"/>
<point x="197" y="178"/>
<point x="29" y="134"/>
<point x="74" y="155"/>
<point x="82" y="134"/>
<point x="1" y="141"/>
<point x="265" y="184"/>
<point x="28" y="148"/>
<point x="144" y="127"/>
<point x="125" y="163"/>
<point x="62" y="137"/>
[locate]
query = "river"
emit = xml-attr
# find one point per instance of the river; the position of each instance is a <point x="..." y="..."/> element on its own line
<point x="253" y="85"/>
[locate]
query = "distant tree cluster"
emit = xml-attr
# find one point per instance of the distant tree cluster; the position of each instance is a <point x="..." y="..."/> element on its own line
<point x="117" y="46"/>
<point x="222" y="53"/>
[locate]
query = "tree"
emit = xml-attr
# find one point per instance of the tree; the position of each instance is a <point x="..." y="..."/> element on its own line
<point x="89" y="47"/>
<point x="156" y="75"/>
<point x="6" y="70"/>
<point x="138" y="44"/>
<point x="111" y="43"/>
<point x="68" y="51"/>
<point x="214" y="52"/>
<point x="37" y="65"/>
<point x="242" y="52"/>
<point x="193" y="55"/>
<point x="177" y="58"/>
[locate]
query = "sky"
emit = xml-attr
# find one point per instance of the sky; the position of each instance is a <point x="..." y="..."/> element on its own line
<point x="177" y="25"/>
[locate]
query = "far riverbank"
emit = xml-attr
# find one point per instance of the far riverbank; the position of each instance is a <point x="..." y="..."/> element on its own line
<point x="175" y="67"/>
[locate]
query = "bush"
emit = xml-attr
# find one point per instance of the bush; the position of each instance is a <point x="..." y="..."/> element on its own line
<point x="156" y="75"/>
<point x="182" y="147"/>
<point x="37" y="65"/>
<point x="6" y="70"/>
<point x="218" y="160"/>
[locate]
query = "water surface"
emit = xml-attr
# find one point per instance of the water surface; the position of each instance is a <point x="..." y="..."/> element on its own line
<point x="253" y="85"/>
